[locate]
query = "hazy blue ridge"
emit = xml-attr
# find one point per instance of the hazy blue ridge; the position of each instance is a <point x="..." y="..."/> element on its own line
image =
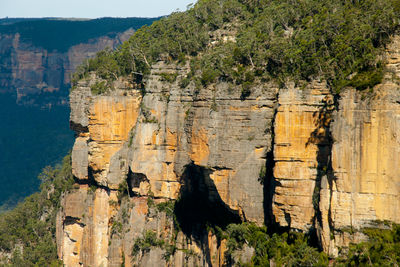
<point x="59" y="34"/>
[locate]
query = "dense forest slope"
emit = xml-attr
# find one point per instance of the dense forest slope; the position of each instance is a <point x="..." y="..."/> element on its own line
<point x="31" y="139"/>
<point x="238" y="133"/>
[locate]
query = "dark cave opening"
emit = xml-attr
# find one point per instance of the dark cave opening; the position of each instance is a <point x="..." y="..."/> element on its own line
<point x="200" y="206"/>
<point x="134" y="180"/>
<point x="91" y="181"/>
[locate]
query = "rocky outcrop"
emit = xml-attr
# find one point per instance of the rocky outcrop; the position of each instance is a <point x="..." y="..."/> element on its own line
<point x="166" y="144"/>
<point x="156" y="165"/>
<point x="32" y="73"/>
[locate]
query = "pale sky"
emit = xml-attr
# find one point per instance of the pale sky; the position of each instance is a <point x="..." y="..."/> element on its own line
<point x="90" y="8"/>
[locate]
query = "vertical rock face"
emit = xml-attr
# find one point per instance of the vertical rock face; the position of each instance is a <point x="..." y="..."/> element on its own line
<point x="300" y="138"/>
<point x="84" y="238"/>
<point x="161" y="145"/>
<point x="332" y="166"/>
<point x="110" y="120"/>
<point x="364" y="188"/>
<point x="103" y="124"/>
<point x="213" y="129"/>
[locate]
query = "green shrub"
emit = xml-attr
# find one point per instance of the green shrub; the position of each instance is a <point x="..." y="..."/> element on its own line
<point x="289" y="249"/>
<point x="208" y="76"/>
<point x="184" y="82"/>
<point x="146" y="242"/>
<point x="122" y="190"/>
<point x="246" y="91"/>
<point x="167" y="207"/>
<point x="262" y="175"/>
<point x="99" y="88"/>
<point x="150" y="202"/>
<point x="116" y="228"/>
<point x="366" y="79"/>
<point x="382" y="249"/>
<point x="169" y="77"/>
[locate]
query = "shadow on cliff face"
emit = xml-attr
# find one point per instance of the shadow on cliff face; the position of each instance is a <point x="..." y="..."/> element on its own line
<point x="200" y="206"/>
<point x="322" y="137"/>
<point x="269" y="183"/>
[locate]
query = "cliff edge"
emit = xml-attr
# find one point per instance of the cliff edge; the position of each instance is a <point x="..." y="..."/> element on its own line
<point x="183" y="138"/>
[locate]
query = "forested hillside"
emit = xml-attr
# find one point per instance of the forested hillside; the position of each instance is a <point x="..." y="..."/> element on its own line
<point x="31" y="139"/>
<point x="338" y="41"/>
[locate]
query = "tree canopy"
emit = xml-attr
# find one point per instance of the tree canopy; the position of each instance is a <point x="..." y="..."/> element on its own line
<point x="339" y="41"/>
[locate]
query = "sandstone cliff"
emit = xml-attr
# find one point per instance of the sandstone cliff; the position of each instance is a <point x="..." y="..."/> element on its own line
<point x="167" y="144"/>
<point x="295" y="157"/>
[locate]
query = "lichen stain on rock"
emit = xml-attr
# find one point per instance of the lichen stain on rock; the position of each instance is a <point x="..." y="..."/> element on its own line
<point x="199" y="147"/>
<point x="221" y="180"/>
<point x="110" y="121"/>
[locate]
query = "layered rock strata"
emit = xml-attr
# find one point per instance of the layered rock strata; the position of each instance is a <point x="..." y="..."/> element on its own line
<point x="295" y="157"/>
<point x="299" y="151"/>
<point x="159" y="142"/>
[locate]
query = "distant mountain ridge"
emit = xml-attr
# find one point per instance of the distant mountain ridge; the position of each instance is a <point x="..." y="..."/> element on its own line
<point x="45" y="33"/>
<point x="37" y="57"/>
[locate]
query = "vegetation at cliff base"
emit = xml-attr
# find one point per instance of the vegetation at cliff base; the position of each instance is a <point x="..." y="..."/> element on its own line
<point x="294" y="249"/>
<point x="382" y="249"/>
<point x="242" y="41"/>
<point x="286" y="249"/>
<point x="27" y="233"/>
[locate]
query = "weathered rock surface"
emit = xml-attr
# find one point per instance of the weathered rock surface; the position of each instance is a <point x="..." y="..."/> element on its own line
<point x="294" y="157"/>
<point x="149" y="143"/>
<point x="364" y="188"/>
<point x="300" y="130"/>
<point x="213" y="129"/>
<point x="103" y="124"/>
